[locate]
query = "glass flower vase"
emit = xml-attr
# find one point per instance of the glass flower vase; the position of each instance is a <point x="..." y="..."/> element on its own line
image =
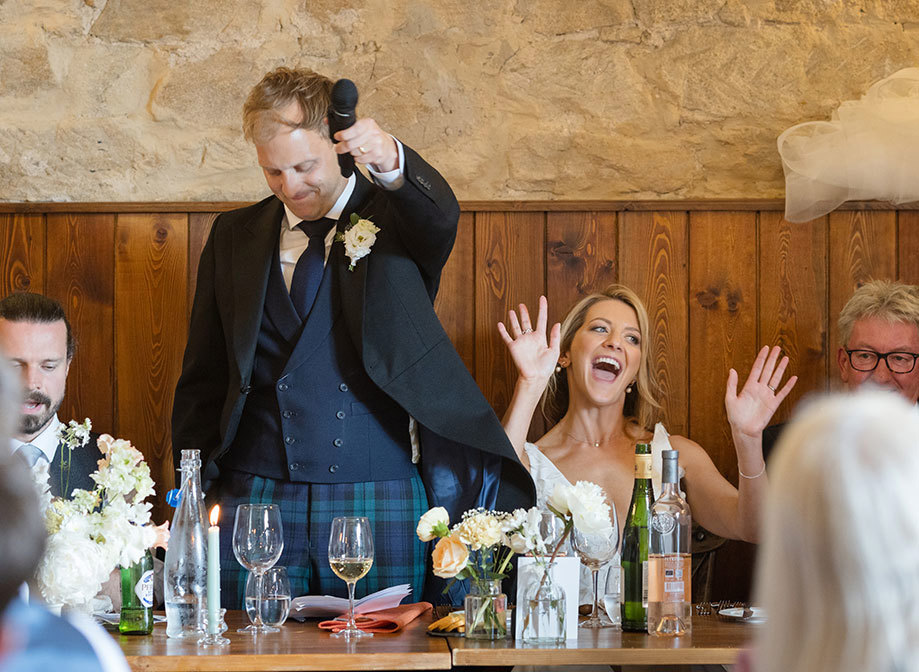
<point x="543" y="609"/>
<point x="486" y="611"/>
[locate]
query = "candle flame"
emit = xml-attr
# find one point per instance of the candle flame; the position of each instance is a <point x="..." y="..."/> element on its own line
<point x="215" y="514"/>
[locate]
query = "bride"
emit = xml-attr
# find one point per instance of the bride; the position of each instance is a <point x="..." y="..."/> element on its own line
<point x="593" y="377"/>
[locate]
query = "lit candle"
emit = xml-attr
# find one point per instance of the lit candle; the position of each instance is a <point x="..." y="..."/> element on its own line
<point x="213" y="573"/>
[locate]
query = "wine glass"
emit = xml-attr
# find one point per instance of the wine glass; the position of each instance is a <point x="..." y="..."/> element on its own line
<point x="594" y="551"/>
<point x="257" y="544"/>
<point x="351" y="556"/>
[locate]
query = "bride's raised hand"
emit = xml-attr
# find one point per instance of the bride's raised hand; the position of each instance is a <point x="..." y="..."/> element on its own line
<point x="750" y="411"/>
<point x="534" y="356"/>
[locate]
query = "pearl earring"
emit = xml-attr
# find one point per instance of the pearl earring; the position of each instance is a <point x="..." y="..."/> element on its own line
<point x="628" y="390"/>
<point x="558" y="368"/>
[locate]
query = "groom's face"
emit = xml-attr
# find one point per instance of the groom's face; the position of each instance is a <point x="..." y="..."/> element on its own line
<point x="301" y="168"/>
<point x="38" y="352"/>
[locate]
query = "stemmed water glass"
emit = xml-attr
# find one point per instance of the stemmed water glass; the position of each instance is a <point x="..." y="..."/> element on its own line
<point x="258" y="540"/>
<point x="351" y="556"/>
<point x="594" y="551"/>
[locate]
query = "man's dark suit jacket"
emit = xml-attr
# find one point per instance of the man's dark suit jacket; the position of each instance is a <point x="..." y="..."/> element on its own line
<point x="387" y="302"/>
<point x="83" y="461"/>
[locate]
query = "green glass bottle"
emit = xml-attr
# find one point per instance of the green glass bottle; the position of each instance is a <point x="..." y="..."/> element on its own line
<point x="635" y="545"/>
<point x="137" y="597"/>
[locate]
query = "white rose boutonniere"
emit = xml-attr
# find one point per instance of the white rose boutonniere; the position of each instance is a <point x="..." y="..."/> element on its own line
<point x="358" y="239"/>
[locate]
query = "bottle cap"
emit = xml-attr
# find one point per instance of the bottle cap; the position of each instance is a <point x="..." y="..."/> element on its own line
<point x="670" y="471"/>
<point x="174" y="497"/>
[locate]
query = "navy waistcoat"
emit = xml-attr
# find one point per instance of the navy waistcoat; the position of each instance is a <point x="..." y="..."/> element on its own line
<point x="312" y="414"/>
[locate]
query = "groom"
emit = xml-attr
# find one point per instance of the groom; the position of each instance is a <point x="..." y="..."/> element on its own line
<point x="319" y="379"/>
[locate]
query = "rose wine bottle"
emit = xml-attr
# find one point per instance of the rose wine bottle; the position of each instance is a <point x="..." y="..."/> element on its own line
<point x="670" y="559"/>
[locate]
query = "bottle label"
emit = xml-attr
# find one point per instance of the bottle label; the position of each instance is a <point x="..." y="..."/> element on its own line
<point x="644" y="584"/>
<point x="642" y="466"/>
<point x="144" y="589"/>
<point x="669" y="578"/>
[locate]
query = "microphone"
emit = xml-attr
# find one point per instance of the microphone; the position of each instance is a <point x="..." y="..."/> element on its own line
<point x="341" y="116"/>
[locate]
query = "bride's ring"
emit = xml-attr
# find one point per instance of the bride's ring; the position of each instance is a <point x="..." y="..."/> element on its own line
<point x="771" y="388"/>
<point x="526" y="331"/>
<point x="362" y="150"/>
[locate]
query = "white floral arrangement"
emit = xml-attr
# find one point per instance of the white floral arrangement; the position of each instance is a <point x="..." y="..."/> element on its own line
<point x="358" y="238"/>
<point x="95" y="531"/>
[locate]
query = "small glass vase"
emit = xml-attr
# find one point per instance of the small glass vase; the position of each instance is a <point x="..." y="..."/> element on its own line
<point x="543" y="610"/>
<point x="486" y="611"/>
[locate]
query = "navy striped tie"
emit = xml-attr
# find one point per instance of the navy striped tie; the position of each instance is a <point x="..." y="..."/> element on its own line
<point x="308" y="272"/>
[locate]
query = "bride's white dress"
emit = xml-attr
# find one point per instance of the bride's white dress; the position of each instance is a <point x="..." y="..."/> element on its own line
<point x="547" y="476"/>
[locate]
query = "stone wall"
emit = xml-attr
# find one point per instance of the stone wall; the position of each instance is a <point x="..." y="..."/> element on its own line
<point x="134" y="100"/>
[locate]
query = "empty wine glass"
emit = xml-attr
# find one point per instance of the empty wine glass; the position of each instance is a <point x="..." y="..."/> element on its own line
<point x="258" y="540"/>
<point x="275" y="596"/>
<point x="594" y="551"/>
<point x="351" y="556"/>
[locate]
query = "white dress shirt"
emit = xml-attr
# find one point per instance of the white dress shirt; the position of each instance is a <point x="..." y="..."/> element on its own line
<point x="294" y="241"/>
<point x="47" y="441"/>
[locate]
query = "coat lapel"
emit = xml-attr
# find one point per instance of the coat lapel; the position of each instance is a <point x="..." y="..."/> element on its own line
<point x="353" y="283"/>
<point x="252" y="254"/>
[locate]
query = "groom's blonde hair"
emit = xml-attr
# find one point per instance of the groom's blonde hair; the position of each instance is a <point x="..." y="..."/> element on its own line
<point x="277" y="90"/>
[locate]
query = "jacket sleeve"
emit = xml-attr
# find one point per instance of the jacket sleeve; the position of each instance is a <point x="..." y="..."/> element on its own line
<point x="426" y="213"/>
<point x="201" y="391"/>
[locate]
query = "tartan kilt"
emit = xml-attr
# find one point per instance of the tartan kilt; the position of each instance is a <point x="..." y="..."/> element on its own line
<point x="307" y="510"/>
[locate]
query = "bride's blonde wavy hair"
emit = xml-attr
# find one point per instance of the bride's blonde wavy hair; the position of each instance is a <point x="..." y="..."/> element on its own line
<point x="641" y="405"/>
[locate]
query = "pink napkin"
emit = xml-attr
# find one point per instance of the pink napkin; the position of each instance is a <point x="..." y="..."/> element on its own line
<point x="385" y="620"/>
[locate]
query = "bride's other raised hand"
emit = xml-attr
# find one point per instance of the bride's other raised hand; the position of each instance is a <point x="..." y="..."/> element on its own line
<point x="750" y="411"/>
<point x="534" y="355"/>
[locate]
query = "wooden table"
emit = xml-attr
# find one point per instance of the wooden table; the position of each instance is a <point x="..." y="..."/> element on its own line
<point x="302" y="646"/>
<point x="714" y="641"/>
<point x="299" y="646"/>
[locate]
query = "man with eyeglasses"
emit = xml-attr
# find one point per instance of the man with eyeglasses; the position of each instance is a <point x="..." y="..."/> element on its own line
<point x="879" y="332"/>
<point x="879" y="329"/>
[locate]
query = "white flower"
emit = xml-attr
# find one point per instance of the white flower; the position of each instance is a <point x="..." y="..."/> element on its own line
<point x="358" y="239"/>
<point x="480" y="529"/>
<point x="96" y="530"/>
<point x="435" y="523"/>
<point x="587" y="503"/>
<point x="558" y="500"/>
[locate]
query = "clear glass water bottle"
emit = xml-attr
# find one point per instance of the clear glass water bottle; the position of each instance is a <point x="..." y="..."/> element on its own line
<point x="185" y="572"/>
<point x="670" y="558"/>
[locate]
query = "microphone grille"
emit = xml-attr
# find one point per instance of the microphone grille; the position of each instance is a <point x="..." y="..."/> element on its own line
<point x="344" y="95"/>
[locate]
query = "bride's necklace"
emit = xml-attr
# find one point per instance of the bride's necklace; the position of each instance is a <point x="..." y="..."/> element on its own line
<point x="595" y="444"/>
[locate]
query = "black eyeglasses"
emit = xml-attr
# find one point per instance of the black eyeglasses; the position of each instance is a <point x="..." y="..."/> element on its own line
<point x="897" y="362"/>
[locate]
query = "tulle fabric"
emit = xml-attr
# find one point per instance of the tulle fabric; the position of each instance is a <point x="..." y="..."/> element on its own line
<point x="868" y="151"/>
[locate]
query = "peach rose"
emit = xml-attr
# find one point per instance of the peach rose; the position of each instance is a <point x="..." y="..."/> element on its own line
<point x="450" y="556"/>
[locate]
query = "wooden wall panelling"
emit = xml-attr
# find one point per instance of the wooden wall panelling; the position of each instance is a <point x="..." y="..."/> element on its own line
<point x="199" y="228"/>
<point x="908" y="247"/>
<point x="653" y="255"/>
<point x="455" y="304"/>
<point x="22" y="253"/>
<point x="581" y="251"/>
<point x="862" y="248"/>
<point x="81" y="275"/>
<point x="510" y="267"/>
<point x="793" y="299"/>
<point x="151" y="272"/>
<point x="722" y="323"/>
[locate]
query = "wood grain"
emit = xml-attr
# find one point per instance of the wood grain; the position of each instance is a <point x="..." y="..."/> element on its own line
<point x="793" y="298"/>
<point x="81" y="275"/>
<point x="151" y="272"/>
<point x="199" y="228"/>
<point x="908" y="247"/>
<point x="862" y="247"/>
<point x="653" y="253"/>
<point x="22" y="253"/>
<point x="298" y="646"/>
<point x="455" y="303"/>
<point x="722" y="323"/>
<point x="510" y="254"/>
